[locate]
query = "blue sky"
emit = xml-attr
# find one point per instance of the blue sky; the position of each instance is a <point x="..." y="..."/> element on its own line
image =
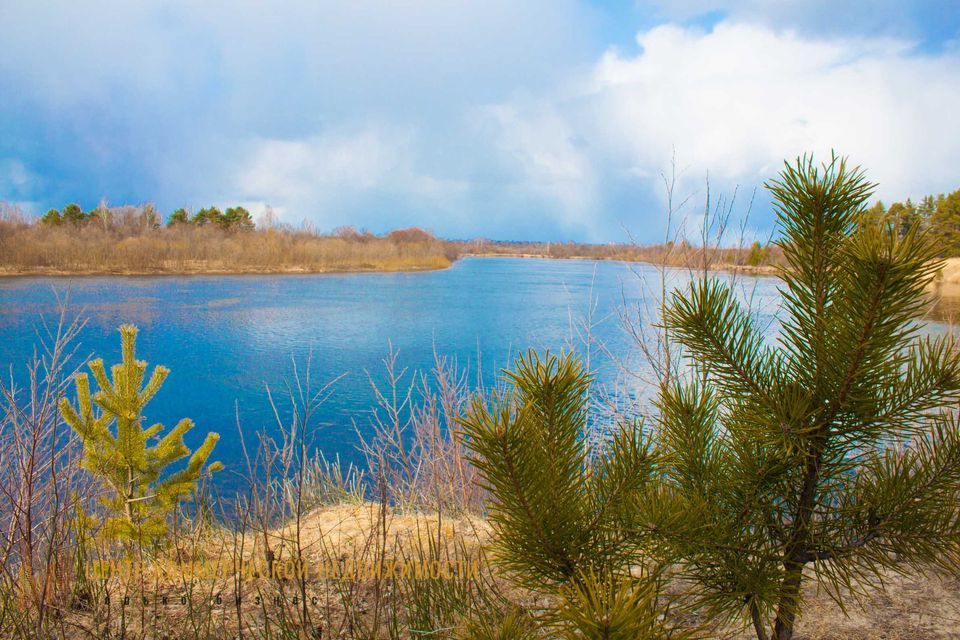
<point x="542" y="119"/>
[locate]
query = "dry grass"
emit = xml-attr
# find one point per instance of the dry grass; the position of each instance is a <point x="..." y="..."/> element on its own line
<point x="908" y="608"/>
<point x="416" y="501"/>
<point x="673" y="254"/>
<point x="127" y="242"/>
<point x="186" y="249"/>
<point x="310" y="550"/>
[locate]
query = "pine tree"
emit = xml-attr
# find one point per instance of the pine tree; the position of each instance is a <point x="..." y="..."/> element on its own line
<point x="179" y="216"/>
<point x="52" y="218"/>
<point x="558" y="509"/>
<point x="946" y="220"/>
<point x="758" y="254"/>
<point x="73" y="214"/>
<point x="237" y="218"/>
<point x="117" y="448"/>
<point x="834" y="450"/>
<point x="904" y="216"/>
<point x="211" y="216"/>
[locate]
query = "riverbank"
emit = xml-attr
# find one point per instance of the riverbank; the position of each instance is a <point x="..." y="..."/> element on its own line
<point x="214" y="270"/>
<point x="358" y="565"/>
<point x="130" y="243"/>
<point x="37" y="250"/>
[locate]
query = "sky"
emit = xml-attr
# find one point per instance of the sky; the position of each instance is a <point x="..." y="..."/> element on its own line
<point x="543" y="119"/>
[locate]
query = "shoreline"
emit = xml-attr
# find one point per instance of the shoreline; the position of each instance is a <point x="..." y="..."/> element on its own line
<point x="44" y="272"/>
<point x="947" y="282"/>
<point x="291" y="271"/>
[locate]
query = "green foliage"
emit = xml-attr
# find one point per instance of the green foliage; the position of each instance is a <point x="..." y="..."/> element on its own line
<point x="758" y="255"/>
<point x="940" y="214"/>
<point x="558" y="509"/>
<point x="117" y="448"/>
<point x="234" y="218"/>
<point x="73" y="214"/>
<point x="833" y="451"/>
<point x="946" y="220"/>
<point x="513" y="624"/>
<point x="207" y="216"/>
<point x="830" y="449"/>
<point x="52" y="218"/>
<point x="237" y="218"/>
<point x="179" y="216"/>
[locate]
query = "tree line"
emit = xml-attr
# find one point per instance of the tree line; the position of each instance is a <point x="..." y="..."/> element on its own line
<point x="232" y="218"/>
<point x="940" y="214"/>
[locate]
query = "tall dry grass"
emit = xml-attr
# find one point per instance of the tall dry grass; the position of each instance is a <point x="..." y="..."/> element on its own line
<point x="297" y="547"/>
<point x="673" y="254"/>
<point x="127" y="240"/>
<point x="128" y="247"/>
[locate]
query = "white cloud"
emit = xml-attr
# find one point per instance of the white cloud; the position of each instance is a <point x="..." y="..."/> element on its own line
<point x="322" y="177"/>
<point x="739" y="99"/>
<point x="476" y="118"/>
<point x="540" y="150"/>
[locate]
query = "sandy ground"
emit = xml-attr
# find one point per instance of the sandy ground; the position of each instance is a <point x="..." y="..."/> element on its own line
<point x="911" y="607"/>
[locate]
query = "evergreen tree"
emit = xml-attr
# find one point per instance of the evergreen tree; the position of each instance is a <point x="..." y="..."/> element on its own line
<point x="205" y="216"/>
<point x="117" y="448"/>
<point x="904" y="217"/>
<point x="73" y="214"/>
<point x="833" y="449"/>
<point x="179" y="216"/>
<point x="926" y="209"/>
<point x="560" y="515"/>
<point x="946" y="221"/>
<point x="52" y="218"/>
<point x="758" y="254"/>
<point x="237" y="218"/>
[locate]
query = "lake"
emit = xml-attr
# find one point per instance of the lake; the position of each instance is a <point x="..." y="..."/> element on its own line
<point x="226" y="338"/>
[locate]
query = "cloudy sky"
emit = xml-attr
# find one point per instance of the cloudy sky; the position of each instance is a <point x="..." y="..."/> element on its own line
<point x="540" y="119"/>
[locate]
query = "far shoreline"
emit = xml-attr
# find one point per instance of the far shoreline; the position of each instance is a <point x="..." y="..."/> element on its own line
<point x="946" y="284"/>
<point x="294" y="271"/>
<point x="760" y="271"/>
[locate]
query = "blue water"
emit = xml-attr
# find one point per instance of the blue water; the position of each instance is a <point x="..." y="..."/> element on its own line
<point x="226" y="339"/>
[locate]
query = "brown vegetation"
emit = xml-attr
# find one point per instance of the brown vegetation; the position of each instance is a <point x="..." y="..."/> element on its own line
<point x="131" y="245"/>
<point x="131" y="241"/>
<point x="756" y="258"/>
<point x="311" y="549"/>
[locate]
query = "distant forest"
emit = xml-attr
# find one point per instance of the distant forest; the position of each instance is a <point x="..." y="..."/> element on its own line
<point x="940" y="214"/>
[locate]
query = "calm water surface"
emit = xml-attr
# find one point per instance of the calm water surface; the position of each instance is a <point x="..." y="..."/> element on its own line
<point x="227" y="338"/>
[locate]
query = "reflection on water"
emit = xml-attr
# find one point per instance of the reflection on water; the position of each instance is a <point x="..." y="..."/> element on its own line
<point x="226" y="338"/>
